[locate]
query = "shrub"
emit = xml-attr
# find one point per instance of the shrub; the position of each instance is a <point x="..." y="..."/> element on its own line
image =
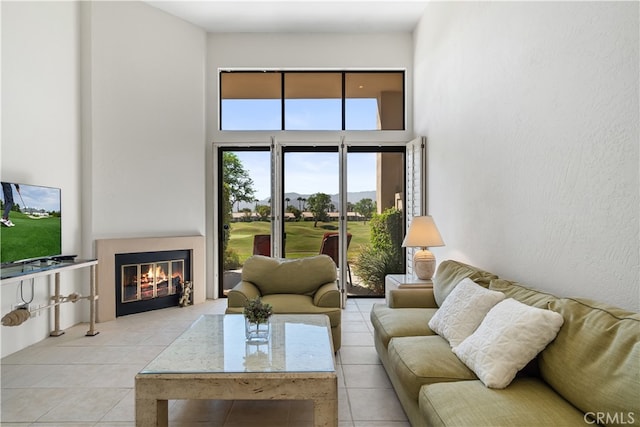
<point x="384" y="255"/>
<point x="372" y="266"/>
<point x="386" y="230"/>
<point x="231" y="260"/>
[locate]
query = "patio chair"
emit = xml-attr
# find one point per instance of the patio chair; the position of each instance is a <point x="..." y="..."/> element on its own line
<point x="331" y="246"/>
<point x="262" y="244"/>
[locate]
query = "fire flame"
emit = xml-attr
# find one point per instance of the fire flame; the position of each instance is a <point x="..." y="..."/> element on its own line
<point x="159" y="274"/>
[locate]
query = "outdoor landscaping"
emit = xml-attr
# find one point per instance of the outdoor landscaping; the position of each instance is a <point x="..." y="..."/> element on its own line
<point x="373" y="252"/>
<point x="303" y="239"/>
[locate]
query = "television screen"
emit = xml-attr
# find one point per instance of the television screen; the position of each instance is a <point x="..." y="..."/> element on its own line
<point x="30" y="226"/>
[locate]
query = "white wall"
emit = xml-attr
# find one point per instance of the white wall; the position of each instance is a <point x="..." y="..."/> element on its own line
<point x="41" y="139"/>
<point x="106" y="101"/>
<point x="144" y="122"/>
<point x="294" y="51"/>
<point x="301" y="51"/>
<point x="531" y="114"/>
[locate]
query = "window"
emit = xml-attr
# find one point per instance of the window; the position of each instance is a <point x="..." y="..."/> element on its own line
<point x="312" y="100"/>
<point x="374" y="101"/>
<point x="250" y="101"/>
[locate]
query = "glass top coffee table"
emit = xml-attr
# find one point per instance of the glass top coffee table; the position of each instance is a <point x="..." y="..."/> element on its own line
<point x="212" y="360"/>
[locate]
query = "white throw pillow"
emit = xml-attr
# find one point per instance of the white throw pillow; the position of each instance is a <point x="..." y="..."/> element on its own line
<point x="463" y="310"/>
<point x="509" y="337"/>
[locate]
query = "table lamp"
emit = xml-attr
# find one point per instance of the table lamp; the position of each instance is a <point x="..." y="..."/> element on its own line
<point x="423" y="233"/>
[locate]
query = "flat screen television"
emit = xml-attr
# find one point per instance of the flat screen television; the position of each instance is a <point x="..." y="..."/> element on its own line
<point x="33" y="229"/>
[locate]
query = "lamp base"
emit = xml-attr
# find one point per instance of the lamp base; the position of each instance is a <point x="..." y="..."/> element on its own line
<point x="424" y="264"/>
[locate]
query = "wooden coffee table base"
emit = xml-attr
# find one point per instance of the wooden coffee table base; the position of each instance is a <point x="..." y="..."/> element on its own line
<point x="153" y="391"/>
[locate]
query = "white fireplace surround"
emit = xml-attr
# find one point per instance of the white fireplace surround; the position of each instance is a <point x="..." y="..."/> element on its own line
<point x="106" y="250"/>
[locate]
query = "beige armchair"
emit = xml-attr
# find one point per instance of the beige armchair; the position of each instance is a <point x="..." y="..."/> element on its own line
<point x="296" y="286"/>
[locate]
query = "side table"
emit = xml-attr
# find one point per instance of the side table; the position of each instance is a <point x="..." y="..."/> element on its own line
<point x="403" y="281"/>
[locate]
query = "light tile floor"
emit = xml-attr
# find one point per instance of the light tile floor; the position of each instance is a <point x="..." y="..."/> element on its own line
<point x="79" y="381"/>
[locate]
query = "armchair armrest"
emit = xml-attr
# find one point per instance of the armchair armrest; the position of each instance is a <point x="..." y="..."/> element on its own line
<point x="327" y="295"/>
<point x="241" y="294"/>
<point x="412" y="298"/>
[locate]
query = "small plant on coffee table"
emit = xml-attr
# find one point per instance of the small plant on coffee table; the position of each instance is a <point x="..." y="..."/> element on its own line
<point x="256" y="311"/>
<point x="256" y="319"/>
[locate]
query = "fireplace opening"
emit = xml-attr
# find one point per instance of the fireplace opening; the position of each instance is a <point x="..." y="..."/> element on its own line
<point x="150" y="280"/>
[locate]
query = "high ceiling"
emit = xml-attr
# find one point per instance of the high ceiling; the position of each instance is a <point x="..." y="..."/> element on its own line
<point x="298" y="16"/>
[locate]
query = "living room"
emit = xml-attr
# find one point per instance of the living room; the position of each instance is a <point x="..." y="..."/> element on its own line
<point x="530" y="111"/>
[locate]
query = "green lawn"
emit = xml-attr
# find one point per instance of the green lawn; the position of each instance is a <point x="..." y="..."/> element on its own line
<point x="303" y="239"/>
<point x="30" y="238"/>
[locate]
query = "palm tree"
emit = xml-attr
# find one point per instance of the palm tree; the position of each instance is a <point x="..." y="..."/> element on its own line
<point x="286" y="199"/>
<point x="299" y="199"/>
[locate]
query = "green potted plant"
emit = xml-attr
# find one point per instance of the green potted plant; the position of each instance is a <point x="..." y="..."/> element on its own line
<point x="256" y="315"/>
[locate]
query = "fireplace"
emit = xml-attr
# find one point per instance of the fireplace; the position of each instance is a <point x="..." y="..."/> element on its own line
<point x="109" y="277"/>
<point x="150" y="280"/>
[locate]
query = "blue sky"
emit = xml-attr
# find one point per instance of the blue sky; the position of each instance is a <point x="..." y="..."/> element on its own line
<point x="305" y="173"/>
<point x="308" y="173"/>
<point x="301" y="114"/>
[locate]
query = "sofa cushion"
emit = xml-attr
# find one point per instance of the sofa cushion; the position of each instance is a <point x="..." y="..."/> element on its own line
<point x="463" y="310"/>
<point x="597" y="350"/>
<point x="528" y="296"/>
<point x="510" y="336"/>
<point x="287" y="276"/>
<point x="521" y="293"/>
<point x="450" y="273"/>
<point x="526" y="402"/>
<point x="424" y="360"/>
<point x="400" y="322"/>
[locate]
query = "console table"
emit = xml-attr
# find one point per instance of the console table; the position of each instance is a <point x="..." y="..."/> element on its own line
<point x="27" y="271"/>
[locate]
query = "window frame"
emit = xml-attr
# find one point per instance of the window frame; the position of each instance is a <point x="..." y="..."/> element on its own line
<point x="342" y="72"/>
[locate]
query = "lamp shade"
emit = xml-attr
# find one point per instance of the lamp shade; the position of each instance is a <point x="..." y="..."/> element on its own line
<point x="422" y="233"/>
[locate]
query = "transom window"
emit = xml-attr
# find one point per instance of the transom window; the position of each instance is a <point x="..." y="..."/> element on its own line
<point x="312" y="100"/>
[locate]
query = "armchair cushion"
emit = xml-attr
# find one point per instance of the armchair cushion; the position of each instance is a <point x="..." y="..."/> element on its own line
<point x="301" y="276"/>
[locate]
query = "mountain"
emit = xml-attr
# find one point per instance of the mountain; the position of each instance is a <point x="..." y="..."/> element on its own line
<point x="352" y="197"/>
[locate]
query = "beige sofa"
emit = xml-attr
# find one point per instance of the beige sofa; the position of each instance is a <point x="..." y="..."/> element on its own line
<point x="589" y="374"/>
<point x="295" y="286"/>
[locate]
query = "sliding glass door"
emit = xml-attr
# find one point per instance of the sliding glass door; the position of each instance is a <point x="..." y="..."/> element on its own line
<point x="375" y="193"/>
<point x="296" y="200"/>
<point x="244" y="210"/>
<point x="310" y="198"/>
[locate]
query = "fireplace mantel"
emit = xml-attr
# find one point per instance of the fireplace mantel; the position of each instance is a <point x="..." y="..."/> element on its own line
<point x="106" y="250"/>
